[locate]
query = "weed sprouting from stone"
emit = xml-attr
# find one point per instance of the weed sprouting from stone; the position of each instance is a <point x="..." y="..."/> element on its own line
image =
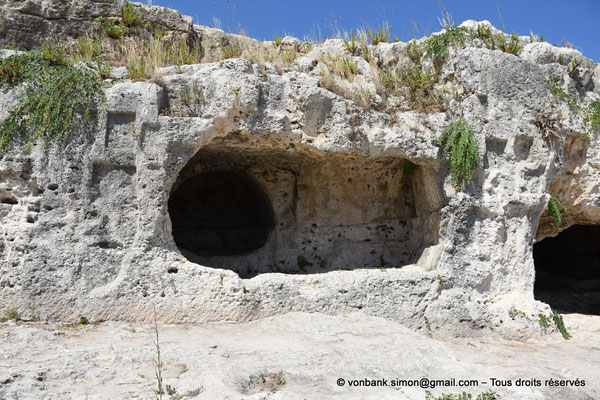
<point x="53" y="94"/>
<point x="158" y="365"/>
<point x="458" y="139"/>
<point x="554" y="207"/>
<point x="560" y="325"/>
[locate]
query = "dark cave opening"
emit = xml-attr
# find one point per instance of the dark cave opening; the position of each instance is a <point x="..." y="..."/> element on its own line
<point x="259" y="205"/>
<point x="567" y="270"/>
<point x="220" y="213"/>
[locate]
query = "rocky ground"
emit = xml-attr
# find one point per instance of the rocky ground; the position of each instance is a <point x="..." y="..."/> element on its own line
<point x="292" y="356"/>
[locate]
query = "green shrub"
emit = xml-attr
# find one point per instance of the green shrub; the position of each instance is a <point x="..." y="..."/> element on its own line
<point x="51" y="97"/>
<point x="351" y="44"/>
<point x="130" y="16"/>
<point x="591" y="116"/>
<point x="231" y="50"/>
<point x="419" y="85"/>
<point x="53" y="53"/>
<point x="187" y="56"/>
<point x="512" y="46"/>
<point x="277" y="40"/>
<point x="497" y="41"/>
<point x="436" y="47"/>
<point x="560" y="325"/>
<point x="139" y="68"/>
<point x="379" y="35"/>
<point x="10" y="313"/>
<point x="111" y="29"/>
<point x="458" y="139"/>
<point x="544" y="321"/>
<point x="88" y="50"/>
<point x="554" y="207"/>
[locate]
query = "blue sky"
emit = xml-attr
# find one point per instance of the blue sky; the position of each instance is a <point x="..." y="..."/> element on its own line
<point x="576" y="21"/>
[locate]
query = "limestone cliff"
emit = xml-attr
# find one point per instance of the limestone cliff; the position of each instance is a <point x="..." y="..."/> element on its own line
<point x="292" y="186"/>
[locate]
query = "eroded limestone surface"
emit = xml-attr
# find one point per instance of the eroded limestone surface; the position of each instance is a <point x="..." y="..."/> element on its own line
<point x="279" y="195"/>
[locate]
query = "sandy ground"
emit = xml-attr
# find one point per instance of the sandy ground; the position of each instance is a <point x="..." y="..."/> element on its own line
<point x="292" y="356"/>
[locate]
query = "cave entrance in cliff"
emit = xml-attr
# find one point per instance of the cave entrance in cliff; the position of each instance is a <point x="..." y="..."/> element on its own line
<point x="264" y="205"/>
<point x="568" y="270"/>
<point x="220" y="213"/>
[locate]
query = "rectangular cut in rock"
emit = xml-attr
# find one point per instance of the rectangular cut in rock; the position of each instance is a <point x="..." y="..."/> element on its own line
<point x="113" y="187"/>
<point x="120" y="137"/>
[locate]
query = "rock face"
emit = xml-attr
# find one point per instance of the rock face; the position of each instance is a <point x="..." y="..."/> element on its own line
<point x="274" y="194"/>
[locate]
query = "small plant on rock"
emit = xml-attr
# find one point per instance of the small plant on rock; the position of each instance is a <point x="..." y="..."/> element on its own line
<point x="351" y="44"/>
<point x="379" y="35"/>
<point x="158" y="365"/>
<point x="544" y="321"/>
<point x="88" y="50"/>
<point x="436" y="47"/>
<point x="554" y="207"/>
<point x="231" y="50"/>
<point x="130" y="16"/>
<point x="10" y="313"/>
<point x="560" y="325"/>
<point x="459" y="140"/>
<point x="277" y="40"/>
<point x="53" y="94"/>
<point x="112" y="29"/>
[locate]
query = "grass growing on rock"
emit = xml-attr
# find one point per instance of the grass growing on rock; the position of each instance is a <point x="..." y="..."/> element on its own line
<point x="589" y="114"/>
<point x="53" y="94"/>
<point x="554" y="207"/>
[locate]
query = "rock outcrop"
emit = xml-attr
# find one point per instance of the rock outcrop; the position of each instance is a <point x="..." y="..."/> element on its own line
<point x="270" y="193"/>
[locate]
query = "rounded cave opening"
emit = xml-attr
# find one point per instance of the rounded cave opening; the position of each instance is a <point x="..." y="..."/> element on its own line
<point x="567" y="270"/>
<point x="261" y="205"/>
<point x="220" y="213"/>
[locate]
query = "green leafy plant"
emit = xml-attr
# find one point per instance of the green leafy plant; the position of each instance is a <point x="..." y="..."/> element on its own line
<point x="497" y="41"/>
<point x="131" y="17"/>
<point x="187" y="55"/>
<point x="560" y="325"/>
<point x="348" y="67"/>
<point x="88" y="50"/>
<point x="53" y="53"/>
<point x="139" y="68"/>
<point x="554" y="207"/>
<point x="277" y="40"/>
<point x="351" y="44"/>
<point x="572" y="67"/>
<point x="590" y="114"/>
<point x="459" y="140"/>
<point x="10" y="313"/>
<point x="436" y="47"/>
<point x="52" y="95"/>
<point x="232" y="49"/>
<point x="511" y="46"/>
<point x="427" y="325"/>
<point x="193" y="100"/>
<point x="380" y="34"/>
<point x="544" y="321"/>
<point x="159" y="32"/>
<point x="112" y="29"/>
<point x="83" y="320"/>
